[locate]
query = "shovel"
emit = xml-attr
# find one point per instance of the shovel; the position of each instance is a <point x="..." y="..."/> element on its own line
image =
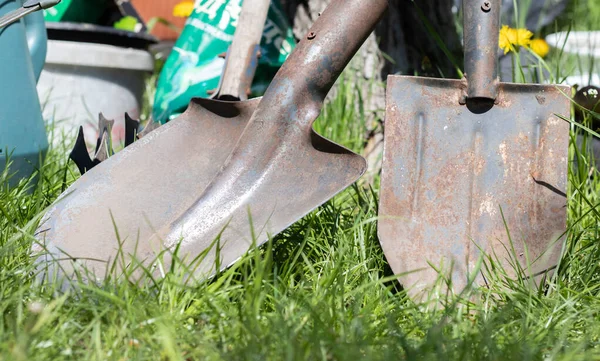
<point x="241" y="62"/>
<point x="222" y="177"/>
<point x="472" y="165"/>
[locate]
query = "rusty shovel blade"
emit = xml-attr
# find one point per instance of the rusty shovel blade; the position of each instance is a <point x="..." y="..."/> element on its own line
<point x="235" y="173"/>
<point x="457" y="177"/>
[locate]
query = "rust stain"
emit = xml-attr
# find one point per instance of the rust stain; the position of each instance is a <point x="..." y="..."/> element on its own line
<point x="540" y="99"/>
<point x="468" y="177"/>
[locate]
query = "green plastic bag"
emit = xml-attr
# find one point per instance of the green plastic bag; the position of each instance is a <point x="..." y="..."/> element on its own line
<point x="194" y="67"/>
<point x="77" y="11"/>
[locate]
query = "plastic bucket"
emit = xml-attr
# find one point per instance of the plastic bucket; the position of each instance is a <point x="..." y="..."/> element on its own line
<point x="81" y="80"/>
<point x="583" y="49"/>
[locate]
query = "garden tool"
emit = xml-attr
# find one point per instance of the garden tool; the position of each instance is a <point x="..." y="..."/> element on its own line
<point x="80" y="154"/>
<point x="472" y="167"/>
<point x="194" y="67"/>
<point x="242" y="58"/>
<point x="241" y="62"/>
<point x="23" y="139"/>
<point x="221" y="178"/>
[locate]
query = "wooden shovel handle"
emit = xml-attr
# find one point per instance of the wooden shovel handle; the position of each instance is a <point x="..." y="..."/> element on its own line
<point x="481" y="34"/>
<point x="242" y="57"/>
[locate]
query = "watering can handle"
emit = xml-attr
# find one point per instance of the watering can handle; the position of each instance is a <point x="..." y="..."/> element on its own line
<point x="35" y="29"/>
<point x="37" y="39"/>
<point x="481" y="34"/>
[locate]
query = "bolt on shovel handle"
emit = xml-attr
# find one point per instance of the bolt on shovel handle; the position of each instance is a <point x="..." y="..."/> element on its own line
<point x="481" y="34"/>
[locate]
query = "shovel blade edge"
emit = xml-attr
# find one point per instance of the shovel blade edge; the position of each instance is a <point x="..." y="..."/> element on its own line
<point x="144" y="200"/>
<point x="142" y="188"/>
<point x="457" y="180"/>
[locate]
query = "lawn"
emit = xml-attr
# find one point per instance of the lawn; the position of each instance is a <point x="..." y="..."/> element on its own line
<point x="320" y="290"/>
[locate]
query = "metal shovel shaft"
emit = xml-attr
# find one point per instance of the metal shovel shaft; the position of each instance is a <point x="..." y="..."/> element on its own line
<point x="480" y="32"/>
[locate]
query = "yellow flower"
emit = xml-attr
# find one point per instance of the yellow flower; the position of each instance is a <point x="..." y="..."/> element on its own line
<point x="506" y="34"/>
<point x="540" y="47"/>
<point x="523" y="37"/>
<point x="183" y="9"/>
<point x="513" y="37"/>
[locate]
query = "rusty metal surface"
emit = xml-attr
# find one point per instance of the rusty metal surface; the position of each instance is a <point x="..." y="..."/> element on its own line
<point x="449" y="168"/>
<point x="203" y="175"/>
<point x="481" y="22"/>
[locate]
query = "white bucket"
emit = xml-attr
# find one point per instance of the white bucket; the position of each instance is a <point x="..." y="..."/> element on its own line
<point x="81" y="80"/>
<point x="585" y="46"/>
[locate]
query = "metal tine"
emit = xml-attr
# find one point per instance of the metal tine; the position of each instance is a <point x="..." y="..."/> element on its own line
<point x="150" y="126"/>
<point x="80" y="156"/>
<point x="103" y="152"/>
<point x="104" y="126"/>
<point x="131" y="129"/>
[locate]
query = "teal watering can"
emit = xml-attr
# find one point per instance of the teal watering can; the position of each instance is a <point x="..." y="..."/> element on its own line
<point x="23" y="43"/>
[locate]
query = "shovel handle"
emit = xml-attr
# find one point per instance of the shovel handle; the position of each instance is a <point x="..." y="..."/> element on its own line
<point x="242" y="57"/>
<point x="481" y="34"/>
<point x="323" y="53"/>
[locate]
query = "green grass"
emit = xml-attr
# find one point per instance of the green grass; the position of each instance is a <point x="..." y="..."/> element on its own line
<point x="580" y="15"/>
<point x="321" y="290"/>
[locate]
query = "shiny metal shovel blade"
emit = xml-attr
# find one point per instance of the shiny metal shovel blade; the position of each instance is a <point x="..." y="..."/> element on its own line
<point x="449" y="169"/>
<point x="146" y="185"/>
<point x="154" y="194"/>
<point x="205" y="177"/>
